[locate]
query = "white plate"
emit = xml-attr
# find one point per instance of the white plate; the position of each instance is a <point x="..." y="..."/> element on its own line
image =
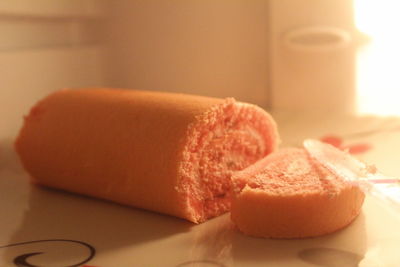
<point x="118" y="236"/>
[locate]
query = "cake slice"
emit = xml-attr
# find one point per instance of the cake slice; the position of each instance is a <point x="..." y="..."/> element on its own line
<point x="290" y="195"/>
<point x="164" y="152"/>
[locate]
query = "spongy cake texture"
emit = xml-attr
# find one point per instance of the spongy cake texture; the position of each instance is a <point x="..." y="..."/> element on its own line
<point x="290" y="195"/>
<point x="164" y="152"/>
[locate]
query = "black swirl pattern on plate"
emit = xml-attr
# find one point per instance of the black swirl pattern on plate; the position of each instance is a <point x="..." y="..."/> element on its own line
<point x="208" y="263"/>
<point x="330" y="257"/>
<point x="22" y="260"/>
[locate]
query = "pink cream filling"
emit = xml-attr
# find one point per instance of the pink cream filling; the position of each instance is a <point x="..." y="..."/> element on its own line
<point x="290" y="171"/>
<point x="226" y="139"/>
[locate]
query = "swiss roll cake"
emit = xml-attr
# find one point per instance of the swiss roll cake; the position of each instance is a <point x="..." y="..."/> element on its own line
<point x="288" y="194"/>
<point x="164" y="152"/>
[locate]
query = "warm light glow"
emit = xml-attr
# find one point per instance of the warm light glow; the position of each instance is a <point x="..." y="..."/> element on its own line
<point x="378" y="61"/>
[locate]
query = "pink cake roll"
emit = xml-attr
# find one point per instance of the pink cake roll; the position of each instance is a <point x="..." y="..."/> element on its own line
<point x="289" y="195"/>
<point x="164" y="152"/>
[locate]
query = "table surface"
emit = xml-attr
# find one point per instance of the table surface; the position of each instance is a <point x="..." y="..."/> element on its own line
<point x="46" y="227"/>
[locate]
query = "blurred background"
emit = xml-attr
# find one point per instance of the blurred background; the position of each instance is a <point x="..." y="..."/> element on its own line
<point x="337" y="56"/>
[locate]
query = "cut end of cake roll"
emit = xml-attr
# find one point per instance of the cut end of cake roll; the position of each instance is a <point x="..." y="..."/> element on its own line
<point x="289" y="195"/>
<point x="225" y="139"/>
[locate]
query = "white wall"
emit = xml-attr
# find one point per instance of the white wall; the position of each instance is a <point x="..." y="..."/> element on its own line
<point x="208" y="47"/>
<point x="44" y="46"/>
<point x="215" y="48"/>
<point x="235" y="48"/>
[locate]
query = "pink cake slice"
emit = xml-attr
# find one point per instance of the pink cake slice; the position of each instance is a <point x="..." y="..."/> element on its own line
<point x="289" y="195"/>
<point x="165" y="152"/>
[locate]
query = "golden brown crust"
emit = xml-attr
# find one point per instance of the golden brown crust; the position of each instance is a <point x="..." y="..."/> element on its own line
<point x="88" y="139"/>
<point x="295" y="217"/>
